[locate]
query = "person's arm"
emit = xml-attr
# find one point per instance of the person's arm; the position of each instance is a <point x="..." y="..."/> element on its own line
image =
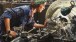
<point x="7" y="27"/>
<point x="38" y="25"/>
<point x="7" y="24"/>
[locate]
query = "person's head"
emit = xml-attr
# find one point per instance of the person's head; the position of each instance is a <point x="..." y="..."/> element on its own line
<point x="38" y="5"/>
<point x="41" y="7"/>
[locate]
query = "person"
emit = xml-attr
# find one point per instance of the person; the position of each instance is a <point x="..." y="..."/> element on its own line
<point x="21" y="15"/>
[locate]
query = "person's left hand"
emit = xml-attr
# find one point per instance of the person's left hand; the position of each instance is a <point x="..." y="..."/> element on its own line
<point x="45" y="23"/>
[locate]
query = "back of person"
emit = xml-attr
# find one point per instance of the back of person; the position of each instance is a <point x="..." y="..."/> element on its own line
<point x="16" y="15"/>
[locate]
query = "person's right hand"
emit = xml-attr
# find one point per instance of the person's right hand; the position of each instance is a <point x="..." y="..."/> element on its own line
<point x="13" y="33"/>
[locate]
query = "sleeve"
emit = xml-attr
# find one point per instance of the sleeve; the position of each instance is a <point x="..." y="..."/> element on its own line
<point x="6" y="14"/>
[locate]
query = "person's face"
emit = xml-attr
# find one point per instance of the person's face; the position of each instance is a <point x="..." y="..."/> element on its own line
<point x="41" y="7"/>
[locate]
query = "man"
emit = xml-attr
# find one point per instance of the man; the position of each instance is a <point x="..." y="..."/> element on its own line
<point x="21" y="15"/>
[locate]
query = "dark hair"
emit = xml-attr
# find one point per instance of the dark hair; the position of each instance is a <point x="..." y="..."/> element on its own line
<point x="34" y="6"/>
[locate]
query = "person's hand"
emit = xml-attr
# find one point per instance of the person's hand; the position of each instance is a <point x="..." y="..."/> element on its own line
<point x="13" y="33"/>
<point x="45" y="23"/>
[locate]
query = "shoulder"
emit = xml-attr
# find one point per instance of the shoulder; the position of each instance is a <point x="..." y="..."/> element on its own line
<point x="25" y="7"/>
